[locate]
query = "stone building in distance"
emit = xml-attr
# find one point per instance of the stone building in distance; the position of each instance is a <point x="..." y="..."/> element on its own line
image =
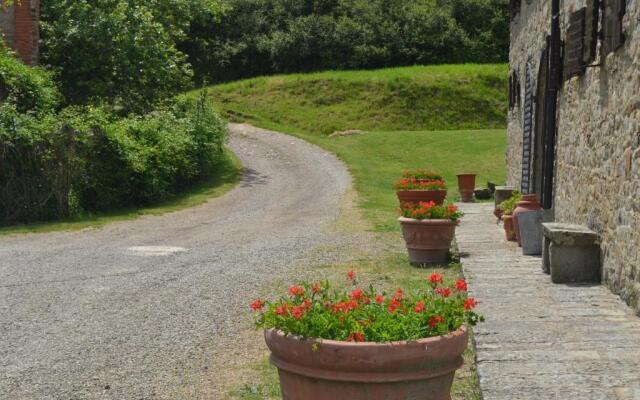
<point x="574" y="122"/>
<point x="19" y="28"/>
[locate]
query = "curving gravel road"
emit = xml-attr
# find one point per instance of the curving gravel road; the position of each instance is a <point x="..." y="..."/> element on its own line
<point x="152" y="308"/>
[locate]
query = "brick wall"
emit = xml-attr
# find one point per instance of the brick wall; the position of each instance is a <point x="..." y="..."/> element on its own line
<point x="19" y="26"/>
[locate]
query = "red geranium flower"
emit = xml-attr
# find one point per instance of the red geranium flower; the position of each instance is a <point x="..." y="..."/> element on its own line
<point x="297" y="312"/>
<point x="257" y="305"/>
<point x="280" y="310"/>
<point x="419" y="307"/>
<point x="296" y="291"/>
<point x="356" y="337"/>
<point x="394" y="305"/>
<point x="399" y="294"/>
<point x="316" y="288"/>
<point x="443" y="291"/>
<point x="307" y="304"/>
<point x="435" y="321"/>
<point x="435" y="278"/>
<point x="379" y="299"/>
<point x="470" y="303"/>
<point x="356" y="294"/>
<point x="461" y="285"/>
<point x="351" y="275"/>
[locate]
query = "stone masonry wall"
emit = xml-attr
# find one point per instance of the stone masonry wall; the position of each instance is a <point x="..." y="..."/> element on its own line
<point x="598" y="147"/>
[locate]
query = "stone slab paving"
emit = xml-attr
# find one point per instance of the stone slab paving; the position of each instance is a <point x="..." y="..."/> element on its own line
<point x="540" y="340"/>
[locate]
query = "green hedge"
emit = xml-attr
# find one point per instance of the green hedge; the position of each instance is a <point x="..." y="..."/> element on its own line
<point x="86" y="159"/>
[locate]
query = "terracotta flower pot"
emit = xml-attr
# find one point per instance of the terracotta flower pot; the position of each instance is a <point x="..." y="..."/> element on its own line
<point x="529" y="202"/>
<point x="466" y="186"/>
<point x="415" y="196"/>
<point x="428" y="241"/>
<point x="330" y="370"/>
<point x="508" y="228"/>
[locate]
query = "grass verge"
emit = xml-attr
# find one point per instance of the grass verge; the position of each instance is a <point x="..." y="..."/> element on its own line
<point x="226" y="177"/>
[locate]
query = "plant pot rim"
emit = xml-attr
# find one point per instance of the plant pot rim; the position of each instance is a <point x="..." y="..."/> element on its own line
<point x="467" y="174"/>
<point x="405" y="220"/>
<point x="507" y="216"/>
<point x="421" y="190"/>
<point x="342" y="344"/>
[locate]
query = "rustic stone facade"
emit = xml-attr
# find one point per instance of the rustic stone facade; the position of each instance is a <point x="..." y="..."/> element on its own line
<point x="597" y="159"/>
<point x="19" y="26"/>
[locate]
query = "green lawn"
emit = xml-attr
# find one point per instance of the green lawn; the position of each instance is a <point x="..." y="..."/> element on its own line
<point x="440" y="97"/>
<point x="225" y="178"/>
<point x="450" y="118"/>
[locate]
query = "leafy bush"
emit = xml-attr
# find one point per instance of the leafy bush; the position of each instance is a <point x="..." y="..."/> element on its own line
<point x="366" y="315"/>
<point x="29" y="89"/>
<point x="87" y="159"/>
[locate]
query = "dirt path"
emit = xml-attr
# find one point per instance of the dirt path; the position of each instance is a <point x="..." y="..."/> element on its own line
<point x="152" y="308"/>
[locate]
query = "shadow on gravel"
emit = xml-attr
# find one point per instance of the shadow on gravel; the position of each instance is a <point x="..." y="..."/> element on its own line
<point x="251" y="177"/>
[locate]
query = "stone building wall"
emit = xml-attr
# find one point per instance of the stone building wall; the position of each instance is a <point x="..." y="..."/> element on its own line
<point x="597" y="171"/>
<point x="19" y="26"/>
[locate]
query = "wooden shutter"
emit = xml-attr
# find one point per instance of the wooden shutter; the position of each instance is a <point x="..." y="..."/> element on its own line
<point x="613" y="36"/>
<point x="590" y="39"/>
<point x="574" y="45"/>
<point x="527" y="127"/>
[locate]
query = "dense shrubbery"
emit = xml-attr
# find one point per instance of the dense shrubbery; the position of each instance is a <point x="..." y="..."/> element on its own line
<point x="29" y="89"/>
<point x="121" y="52"/>
<point x="257" y="37"/>
<point x="86" y="159"/>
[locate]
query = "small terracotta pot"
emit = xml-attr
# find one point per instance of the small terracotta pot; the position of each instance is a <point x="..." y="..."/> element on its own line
<point x="428" y="241"/>
<point x="466" y="186"/>
<point x="529" y="202"/>
<point x="508" y="228"/>
<point x="316" y="369"/>
<point x="415" y="196"/>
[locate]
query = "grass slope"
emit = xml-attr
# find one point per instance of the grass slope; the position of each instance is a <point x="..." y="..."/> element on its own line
<point x="450" y="118"/>
<point x="440" y="97"/>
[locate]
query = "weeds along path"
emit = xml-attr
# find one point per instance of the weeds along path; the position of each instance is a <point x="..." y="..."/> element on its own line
<point x="118" y="312"/>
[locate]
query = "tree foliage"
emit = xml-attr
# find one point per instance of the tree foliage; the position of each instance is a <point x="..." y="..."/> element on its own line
<point x="120" y="51"/>
<point x="257" y="37"/>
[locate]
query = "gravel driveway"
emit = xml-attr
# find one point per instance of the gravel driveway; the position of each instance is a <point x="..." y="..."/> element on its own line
<point x="156" y="307"/>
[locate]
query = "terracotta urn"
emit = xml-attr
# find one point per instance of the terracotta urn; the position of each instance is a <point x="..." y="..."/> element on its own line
<point x="416" y="196"/>
<point x="466" y="186"/>
<point x="428" y="241"/>
<point x="508" y="228"/>
<point x="529" y="202"/>
<point x="318" y="369"/>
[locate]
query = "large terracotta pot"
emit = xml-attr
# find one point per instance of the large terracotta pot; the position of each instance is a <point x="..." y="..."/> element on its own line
<point x="466" y="186"/>
<point x="529" y="202"/>
<point x="415" y="196"/>
<point x="330" y="370"/>
<point x="428" y="241"/>
<point x="508" y="228"/>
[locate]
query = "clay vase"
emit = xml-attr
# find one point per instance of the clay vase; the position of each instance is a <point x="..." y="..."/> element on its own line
<point x="529" y="202"/>
<point x="416" y="196"/>
<point x="318" y="369"/>
<point x="466" y="186"/>
<point x="428" y="241"/>
<point x="509" y="232"/>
